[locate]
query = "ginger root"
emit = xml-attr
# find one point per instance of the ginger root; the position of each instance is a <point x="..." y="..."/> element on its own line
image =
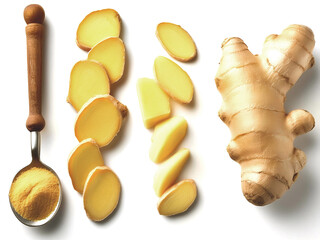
<point x="253" y="88"/>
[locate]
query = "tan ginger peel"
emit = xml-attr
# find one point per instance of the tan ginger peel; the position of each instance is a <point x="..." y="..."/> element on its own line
<point x="253" y="88"/>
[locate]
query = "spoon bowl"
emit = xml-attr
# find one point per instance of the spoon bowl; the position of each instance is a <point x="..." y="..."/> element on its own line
<point x="35" y="152"/>
<point x="47" y="219"/>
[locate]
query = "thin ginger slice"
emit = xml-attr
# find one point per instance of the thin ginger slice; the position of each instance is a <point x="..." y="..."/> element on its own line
<point x="178" y="198"/>
<point x="101" y="193"/>
<point x="173" y="80"/>
<point x="111" y="54"/>
<point x="169" y="171"/>
<point x="87" y="79"/>
<point x="85" y="157"/>
<point x="97" y="26"/>
<point x="100" y="118"/>
<point x="176" y="41"/>
<point x="154" y="102"/>
<point x="166" y="138"/>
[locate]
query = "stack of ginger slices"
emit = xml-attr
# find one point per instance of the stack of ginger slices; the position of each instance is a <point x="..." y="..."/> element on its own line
<point x="99" y="115"/>
<point x="154" y="98"/>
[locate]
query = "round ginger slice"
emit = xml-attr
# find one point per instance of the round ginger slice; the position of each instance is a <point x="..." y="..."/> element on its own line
<point x="173" y="80"/>
<point x="178" y="198"/>
<point x="100" y="119"/>
<point x="97" y="26"/>
<point x="87" y="79"/>
<point x="101" y="193"/>
<point x="111" y="54"/>
<point x="85" y="157"/>
<point x="176" y="41"/>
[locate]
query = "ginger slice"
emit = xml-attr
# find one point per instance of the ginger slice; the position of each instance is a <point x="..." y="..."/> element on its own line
<point x="111" y="54"/>
<point x="100" y="118"/>
<point x="166" y="138"/>
<point x="97" y="26"/>
<point x="85" y="157"/>
<point x="173" y="80"/>
<point x="169" y="171"/>
<point x="178" y="198"/>
<point x="176" y="41"/>
<point x="154" y="103"/>
<point x="87" y="79"/>
<point x="101" y="193"/>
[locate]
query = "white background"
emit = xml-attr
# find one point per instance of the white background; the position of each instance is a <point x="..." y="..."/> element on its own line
<point x="221" y="212"/>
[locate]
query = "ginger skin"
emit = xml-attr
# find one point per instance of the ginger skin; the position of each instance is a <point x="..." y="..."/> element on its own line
<point x="253" y="88"/>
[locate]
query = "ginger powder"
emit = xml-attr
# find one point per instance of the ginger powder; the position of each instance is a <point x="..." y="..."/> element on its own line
<point x="34" y="194"/>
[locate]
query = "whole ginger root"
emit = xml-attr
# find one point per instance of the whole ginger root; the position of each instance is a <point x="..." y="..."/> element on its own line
<point x="253" y="88"/>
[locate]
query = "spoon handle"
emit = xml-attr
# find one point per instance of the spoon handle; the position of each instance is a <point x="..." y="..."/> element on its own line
<point x="34" y="16"/>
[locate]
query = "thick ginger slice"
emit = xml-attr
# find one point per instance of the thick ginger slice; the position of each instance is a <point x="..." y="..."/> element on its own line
<point x="97" y="26"/>
<point x="100" y="119"/>
<point x="253" y="88"/>
<point x="178" y="198"/>
<point x="101" y="193"/>
<point x="85" y="157"/>
<point x="169" y="171"/>
<point x="173" y="80"/>
<point x="87" y="79"/>
<point x="154" y="103"/>
<point x="111" y="54"/>
<point x="166" y="138"/>
<point x="176" y="41"/>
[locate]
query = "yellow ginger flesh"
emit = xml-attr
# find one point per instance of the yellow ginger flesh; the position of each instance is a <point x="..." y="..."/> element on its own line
<point x="176" y="41"/>
<point x="85" y="157"/>
<point x="101" y="193"/>
<point x="154" y="103"/>
<point x="253" y="88"/>
<point x="100" y="119"/>
<point x="87" y="79"/>
<point x="178" y="198"/>
<point x="166" y="137"/>
<point x="169" y="171"/>
<point x="111" y="54"/>
<point x="173" y="80"/>
<point x="97" y="26"/>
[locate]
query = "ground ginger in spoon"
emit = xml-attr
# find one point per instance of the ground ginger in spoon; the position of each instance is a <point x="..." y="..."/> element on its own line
<point x="34" y="194"/>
